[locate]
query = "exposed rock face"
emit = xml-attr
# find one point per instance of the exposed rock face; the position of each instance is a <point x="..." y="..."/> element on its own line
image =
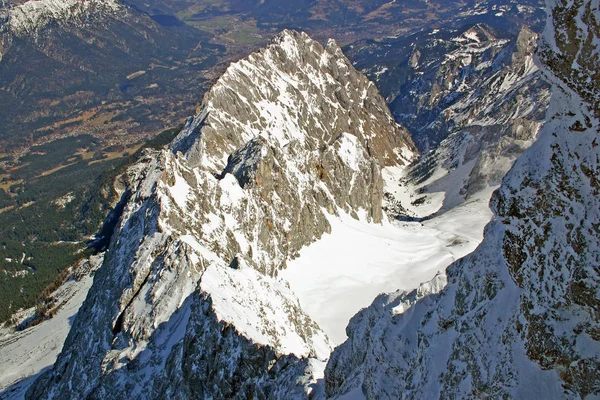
<point x="186" y="303"/>
<point x="490" y="120"/>
<point x="297" y="96"/>
<point x="519" y="317"/>
<point x="570" y="48"/>
<point x="482" y="81"/>
<point x="467" y="78"/>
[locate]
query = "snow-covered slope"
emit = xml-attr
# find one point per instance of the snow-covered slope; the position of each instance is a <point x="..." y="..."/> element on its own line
<point x="441" y="81"/>
<point x="519" y="316"/>
<point x="25" y="354"/>
<point x="188" y="300"/>
<point x="346" y="269"/>
<point x="486" y="98"/>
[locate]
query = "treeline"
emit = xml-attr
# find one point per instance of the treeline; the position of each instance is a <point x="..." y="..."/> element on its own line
<point x="48" y="236"/>
<point x="43" y="263"/>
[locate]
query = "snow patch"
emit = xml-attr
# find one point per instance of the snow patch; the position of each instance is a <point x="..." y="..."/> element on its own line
<point x="258" y="306"/>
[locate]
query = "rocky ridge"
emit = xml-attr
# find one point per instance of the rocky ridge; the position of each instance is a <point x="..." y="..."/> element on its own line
<point x="186" y="302"/>
<point x="519" y="316"/>
<point x="95" y="66"/>
<point x="442" y="80"/>
<point x="490" y="119"/>
<point x="32" y="16"/>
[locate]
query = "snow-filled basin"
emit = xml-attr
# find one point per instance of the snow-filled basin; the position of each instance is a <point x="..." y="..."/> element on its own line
<point x="345" y="270"/>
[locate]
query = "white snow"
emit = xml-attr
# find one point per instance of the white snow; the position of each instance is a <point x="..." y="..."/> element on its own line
<point x="380" y="71"/>
<point x="232" y="192"/>
<point x="27" y="353"/>
<point x="180" y="191"/>
<point x="35" y="14"/>
<point x="349" y="150"/>
<point x="472" y="35"/>
<point x="259" y="306"/>
<point x="344" y="271"/>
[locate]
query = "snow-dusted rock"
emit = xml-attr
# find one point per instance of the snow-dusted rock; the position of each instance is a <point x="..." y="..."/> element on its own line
<point x="186" y="303"/>
<point x="490" y="109"/>
<point x="25" y="353"/>
<point x="33" y="15"/>
<point x="519" y="316"/>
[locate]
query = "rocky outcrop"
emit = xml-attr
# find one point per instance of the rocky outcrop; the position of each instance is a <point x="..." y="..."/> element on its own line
<point x="186" y="303"/>
<point x="471" y="77"/>
<point x="519" y="316"/>
<point x="570" y="50"/>
<point x="297" y="96"/>
<point x="489" y="122"/>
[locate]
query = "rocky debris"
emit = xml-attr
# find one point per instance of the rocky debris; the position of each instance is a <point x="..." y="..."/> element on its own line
<point x="186" y="302"/>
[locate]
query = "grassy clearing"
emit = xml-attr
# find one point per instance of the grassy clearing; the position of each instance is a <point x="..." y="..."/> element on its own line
<point x="53" y="170"/>
<point x="113" y="155"/>
<point x="6" y="209"/>
<point x="200" y="7"/>
<point x="6" y="182"/>
<point x="219" y="23"/>
<point x="247" y="33"/>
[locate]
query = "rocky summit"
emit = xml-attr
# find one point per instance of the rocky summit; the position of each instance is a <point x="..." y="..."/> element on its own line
<point x="519" y="316"/>
<point x="186" y="303"/>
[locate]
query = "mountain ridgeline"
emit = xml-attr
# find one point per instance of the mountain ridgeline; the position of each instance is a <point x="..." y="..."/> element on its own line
<point x="187" y="304"/>
<point x="519" y="316"/>
<point x="479" y="106"/>
<point x="96" y="64"/>
<point x="189" y="301"/>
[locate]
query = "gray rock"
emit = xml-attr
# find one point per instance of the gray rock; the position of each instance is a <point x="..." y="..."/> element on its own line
<point x="187" y="304"/>
<point x="519" y="316"/>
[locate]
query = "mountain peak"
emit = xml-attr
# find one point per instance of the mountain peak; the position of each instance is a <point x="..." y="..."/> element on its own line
<point x="478" y="33"/>
<point x="286" y="139"/>
<point x="297" y="90"/>
<point x="291" y="34"/>
<point x="291" y="42"/>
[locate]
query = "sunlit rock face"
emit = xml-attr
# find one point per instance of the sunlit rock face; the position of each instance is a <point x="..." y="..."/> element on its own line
<point x="187" y="303"/>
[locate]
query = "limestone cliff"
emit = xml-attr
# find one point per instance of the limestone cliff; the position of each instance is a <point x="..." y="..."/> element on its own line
<point x="186" y="304"/>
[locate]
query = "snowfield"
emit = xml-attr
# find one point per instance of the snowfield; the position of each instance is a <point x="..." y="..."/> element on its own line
<point x="23" y="355"/>
<point x="344" y="271"/>
<point x="216" y="220"/>
<point x="334" y="278"/>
